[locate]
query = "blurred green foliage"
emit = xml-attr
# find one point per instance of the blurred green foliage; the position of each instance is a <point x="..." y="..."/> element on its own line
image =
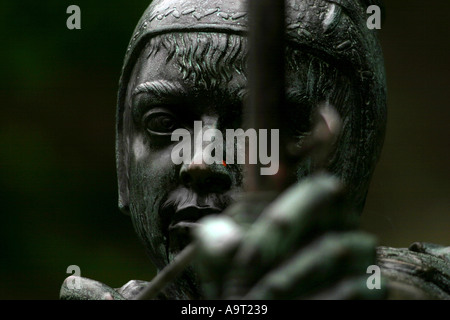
<point x="57" y="170"/>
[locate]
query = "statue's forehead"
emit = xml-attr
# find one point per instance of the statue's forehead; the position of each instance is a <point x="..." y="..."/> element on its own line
<point x="155" y="70"/>
<point x="154" y="66"/>
<point x="159" y="64"/>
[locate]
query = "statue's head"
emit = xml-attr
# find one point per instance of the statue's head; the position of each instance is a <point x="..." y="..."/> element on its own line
<point x="187" y="62"/>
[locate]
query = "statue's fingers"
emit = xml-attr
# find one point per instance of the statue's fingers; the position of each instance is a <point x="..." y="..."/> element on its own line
<point x="317" y="266"/>
<point x="304" y="211"/>
<point x="217" y="238"/>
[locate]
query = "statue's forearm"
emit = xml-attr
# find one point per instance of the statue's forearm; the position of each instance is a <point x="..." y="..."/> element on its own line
<point x="420" y="272"/>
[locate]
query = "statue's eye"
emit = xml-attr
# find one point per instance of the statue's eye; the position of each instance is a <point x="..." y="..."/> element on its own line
<point x="160" y="123"/>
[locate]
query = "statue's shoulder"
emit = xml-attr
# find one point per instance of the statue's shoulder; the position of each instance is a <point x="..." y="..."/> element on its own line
<point x="80" y="288"/>
<point x="421" y="271"/>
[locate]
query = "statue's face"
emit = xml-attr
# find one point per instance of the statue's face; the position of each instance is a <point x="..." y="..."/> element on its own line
<point x="166" y="199"/>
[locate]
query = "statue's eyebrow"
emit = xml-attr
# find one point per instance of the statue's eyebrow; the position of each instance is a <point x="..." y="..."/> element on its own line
<point x="160" y="88"/>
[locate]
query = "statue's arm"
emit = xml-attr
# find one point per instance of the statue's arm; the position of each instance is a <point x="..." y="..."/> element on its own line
<point x="421" y="271"/>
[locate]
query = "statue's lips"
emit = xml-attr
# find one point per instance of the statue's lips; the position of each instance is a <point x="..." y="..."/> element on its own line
<point x="188" y="217"/>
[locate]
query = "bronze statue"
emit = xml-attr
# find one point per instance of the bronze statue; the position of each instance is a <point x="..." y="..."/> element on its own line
<point x="187" y="61"/>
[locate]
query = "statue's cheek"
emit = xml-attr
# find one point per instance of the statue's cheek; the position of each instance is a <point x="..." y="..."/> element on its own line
<point x="139" y="149"/>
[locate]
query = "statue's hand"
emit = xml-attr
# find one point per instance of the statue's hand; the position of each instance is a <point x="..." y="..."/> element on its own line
<point x="79" y="288"/>
<point x="303" y="245"/>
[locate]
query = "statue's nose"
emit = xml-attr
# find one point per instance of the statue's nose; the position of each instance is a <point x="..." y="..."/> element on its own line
<point x="204" y="177"/>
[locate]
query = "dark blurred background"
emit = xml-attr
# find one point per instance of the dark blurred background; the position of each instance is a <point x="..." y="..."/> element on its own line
<point x="57" y="170"/>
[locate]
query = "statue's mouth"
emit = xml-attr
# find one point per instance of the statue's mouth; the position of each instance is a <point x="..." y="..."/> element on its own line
<point x="184" y="221"/>
<point x="191" y="214"/>
<point x="181" y="211"/>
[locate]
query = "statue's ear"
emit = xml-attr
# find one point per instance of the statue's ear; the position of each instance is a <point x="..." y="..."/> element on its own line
<point x="123" y="131"/>
<point x="122" y="161"/>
